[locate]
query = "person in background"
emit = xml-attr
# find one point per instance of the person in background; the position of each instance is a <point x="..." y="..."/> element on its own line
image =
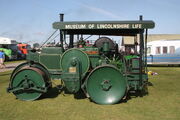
<point x="81" y="43"/>
<point x="2" y="57"/>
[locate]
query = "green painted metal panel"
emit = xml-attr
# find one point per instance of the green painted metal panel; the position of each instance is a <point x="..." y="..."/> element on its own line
<point x="31" y="56"/>
<point x="94" y="60"/>
<point x="134" y="79"/>
<point x="51" y="61"/>
<point x="93" y="54"/>
<point x="104" y="25"/>
<point x="135" y="65"/>
<point x="52" y="50"/>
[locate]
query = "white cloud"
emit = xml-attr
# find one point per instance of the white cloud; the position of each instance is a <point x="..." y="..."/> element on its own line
<point x="100" y="11"/>
<point x="39" y="33"/>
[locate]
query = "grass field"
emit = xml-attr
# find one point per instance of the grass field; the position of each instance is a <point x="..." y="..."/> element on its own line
<point x="16" y="61"/>
<point x="162" y="103"/>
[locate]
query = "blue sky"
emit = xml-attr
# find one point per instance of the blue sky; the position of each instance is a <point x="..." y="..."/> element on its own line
<point x="31" y="20"/>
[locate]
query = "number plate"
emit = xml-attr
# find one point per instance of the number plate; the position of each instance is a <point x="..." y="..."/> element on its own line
<point x="72" y="69"/>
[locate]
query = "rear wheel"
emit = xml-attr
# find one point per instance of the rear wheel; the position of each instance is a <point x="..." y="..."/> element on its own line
<point x="28" y="83"/>
<point x="106" y="85"/>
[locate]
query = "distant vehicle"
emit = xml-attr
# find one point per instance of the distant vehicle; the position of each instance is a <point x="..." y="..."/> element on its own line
<point x="23" y="49"/>
<point x="13" y="50"/>
<point x="8" y="44"/>
<point x="165" y="52"/>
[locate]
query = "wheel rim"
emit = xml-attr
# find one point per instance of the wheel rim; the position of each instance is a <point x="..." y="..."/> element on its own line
<point x="106" y="85"/>
<point x="35" y="78"/>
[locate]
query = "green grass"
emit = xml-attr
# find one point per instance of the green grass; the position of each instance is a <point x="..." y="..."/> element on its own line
<point x="16" y="61"/>
<point x="162" y="103"/>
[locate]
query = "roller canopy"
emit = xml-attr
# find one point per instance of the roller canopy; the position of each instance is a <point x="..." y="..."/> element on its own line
<point x="104" y="27"/>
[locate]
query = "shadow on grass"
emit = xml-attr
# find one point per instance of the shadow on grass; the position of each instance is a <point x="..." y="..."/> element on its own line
<point x="150" y="84"/>
<point x="80" y="95"/>
<point x="55" y="91"/>
<point x="132" y="95"/>
<point x="52" y="93"/>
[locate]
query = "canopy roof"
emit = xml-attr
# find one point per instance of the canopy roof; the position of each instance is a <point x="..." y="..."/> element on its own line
<point x="104" y="27"/>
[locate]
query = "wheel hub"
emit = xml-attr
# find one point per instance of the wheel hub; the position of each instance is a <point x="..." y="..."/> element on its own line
<point x="106" y="85"/>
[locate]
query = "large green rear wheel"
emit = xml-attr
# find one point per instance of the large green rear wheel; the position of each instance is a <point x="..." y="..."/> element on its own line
<point x="28" y="84"/>
<point x="106" y="85"/>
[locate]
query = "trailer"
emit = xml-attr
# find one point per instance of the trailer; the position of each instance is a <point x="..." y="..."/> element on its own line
<point x="163" y="52"/>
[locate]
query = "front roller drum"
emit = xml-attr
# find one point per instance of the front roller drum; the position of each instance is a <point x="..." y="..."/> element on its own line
<point x="106" y="85"/>
<point x="28" y="83"/>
